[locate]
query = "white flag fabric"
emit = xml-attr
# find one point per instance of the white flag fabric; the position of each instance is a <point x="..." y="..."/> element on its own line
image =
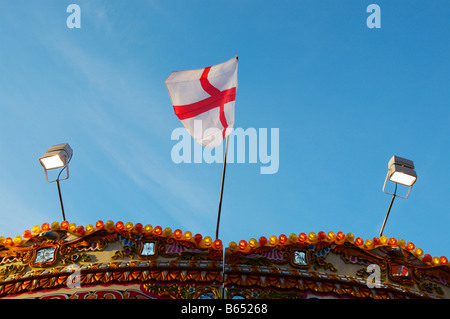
<point x="203" y="99"/>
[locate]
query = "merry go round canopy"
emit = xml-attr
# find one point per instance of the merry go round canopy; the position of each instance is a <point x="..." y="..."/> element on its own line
<point x="116" y="260"/>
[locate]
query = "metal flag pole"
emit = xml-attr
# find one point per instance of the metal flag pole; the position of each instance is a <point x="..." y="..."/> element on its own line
<point x="221" y="188"/>
<point x="222" y="290"/>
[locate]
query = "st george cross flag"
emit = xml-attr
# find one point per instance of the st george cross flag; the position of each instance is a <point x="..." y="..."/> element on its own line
<point x="203" y="99"/>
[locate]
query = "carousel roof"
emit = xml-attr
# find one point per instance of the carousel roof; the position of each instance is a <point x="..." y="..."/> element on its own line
<point x="294" y="266"/>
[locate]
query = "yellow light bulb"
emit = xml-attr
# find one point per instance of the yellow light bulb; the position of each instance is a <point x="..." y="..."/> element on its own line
<point x="17" y="240"/>
<point x="89" y="228"/>
<point x="36" y="229"/>
<point x="369" y="244"/>
<point x="54" y="226"/>
<point x="167" y="231"/>
<point x="435" y="261"/>
<point x="72" y="227"/>
<point x="350" y="237"/>
<point x="312" y="236"/>
<point x="331" y="236"/>
<point x="292" y="238"/>
<point x="109" y="226"/>
<point x="418" y="252"/>
<point x="207" y="240"/>
<point x="273" y="240"/>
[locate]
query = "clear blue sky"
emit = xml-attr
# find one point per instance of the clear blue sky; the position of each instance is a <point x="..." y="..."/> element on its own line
<point x="344" y="97"/>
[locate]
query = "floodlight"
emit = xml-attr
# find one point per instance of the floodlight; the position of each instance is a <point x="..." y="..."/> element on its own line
<point x="57" y="156"/>
<point x="400" y="171"/>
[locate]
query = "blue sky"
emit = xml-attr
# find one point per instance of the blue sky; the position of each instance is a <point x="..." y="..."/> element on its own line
<point x="344" y="97"/>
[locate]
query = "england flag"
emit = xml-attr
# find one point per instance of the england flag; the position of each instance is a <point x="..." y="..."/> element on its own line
<point x="203" y="99"/>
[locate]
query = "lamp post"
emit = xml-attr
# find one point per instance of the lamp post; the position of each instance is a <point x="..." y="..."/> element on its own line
<point x="57" y="156"/>
<point x="400" y="171"/>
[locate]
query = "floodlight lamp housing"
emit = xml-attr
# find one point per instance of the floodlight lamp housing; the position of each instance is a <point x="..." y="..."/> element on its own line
<point x="57" y="156"/>
<point x="401" y="171"/>
<point x="397" y="160"/>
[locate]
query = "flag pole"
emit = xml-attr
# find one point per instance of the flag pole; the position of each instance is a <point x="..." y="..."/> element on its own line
<point x="221" y="188"/>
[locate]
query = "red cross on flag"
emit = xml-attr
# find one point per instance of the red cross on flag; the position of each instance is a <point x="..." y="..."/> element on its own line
<point x="203" y="99"/>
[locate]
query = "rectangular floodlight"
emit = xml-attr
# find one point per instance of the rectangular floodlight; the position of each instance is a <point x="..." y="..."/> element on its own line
<point x="56" y="156"/>
<point x="402" y="171"/>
